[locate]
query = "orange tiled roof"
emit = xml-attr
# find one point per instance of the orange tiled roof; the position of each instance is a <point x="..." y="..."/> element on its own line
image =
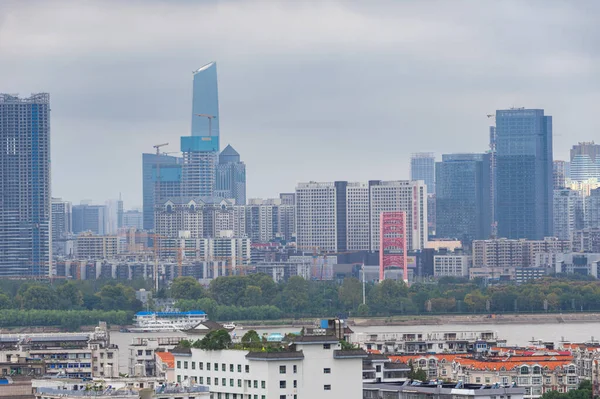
<point x="511" y="363"/>
<point x="168" y="358"/>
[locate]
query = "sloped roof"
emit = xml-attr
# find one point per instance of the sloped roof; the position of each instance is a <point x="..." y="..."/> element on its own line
<point x="168" y="358"/>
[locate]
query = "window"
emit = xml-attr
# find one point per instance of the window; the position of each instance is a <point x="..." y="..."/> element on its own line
<point x="223" y="367"/>
<point x="524" y="370"/>
<point x="224" y="382"/>
<point x="231" y="368"/>
<point x="572" y="380"/>
<point x="140" y="353"/>
<point x="185" y="365"/>
<point x="239" y="383"/>
<point x="207" y="380"/>
<point x="255" y="383"/>
<point x="263" y="384"/>
<point x="200" y="366"/>
<point x="487" y="380"/>
<point x="239" y="368"/>
<point x="216" y="367"/>
<point x="282" y="369"/>
<point x="295" y="384"/>
<point x="208" y="366"/>
<point x="231" y="383"/>
<point x="148" y="352"/>
<point x="327" y="387"/>
<point x="327" y="370"/>
<point x="193" y="365"/>
<point x="282" y="397"/>
<point x="247" y="368"/>
<point x="536" y="381"/>
<point x="179" y="364"/>
<point x="282" y="384"/>
<point x="326" y="346"/>
<point x="478" y="380"/>
<point x="378" y="368"/>
<point x="200" y="380"/>
<point x="178" y="378"/>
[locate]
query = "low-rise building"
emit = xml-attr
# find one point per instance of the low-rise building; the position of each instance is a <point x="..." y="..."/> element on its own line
<point x="451" y="265"/>
<point x="311" y="367"/>
<point x="440" y="390"/>
<point x="143" y="351"/>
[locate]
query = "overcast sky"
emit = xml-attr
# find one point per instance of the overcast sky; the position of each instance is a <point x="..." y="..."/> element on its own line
<point x="309" y="90"/>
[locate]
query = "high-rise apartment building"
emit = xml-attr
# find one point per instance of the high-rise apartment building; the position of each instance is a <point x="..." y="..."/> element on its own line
<point x="463" y="197"/>
<point x="585" y="161"/>
<point x="91" y="218"/>
<point x="62" y="225"/>
<point x="25" y="202"/>
<point x="559" y="174"/>
<point x="161" y="180"/>
<point x="231" y="176"/>
<point x="264" y="220"/>
<point x="288" y="198"/>
<point x="524" y="173"/>
<point x="592" y="209"/>
<point x="200" y="157"/>
<point x="422" y="167"/>
<point x="568" y="213"/>
<point x="341" y="216"/>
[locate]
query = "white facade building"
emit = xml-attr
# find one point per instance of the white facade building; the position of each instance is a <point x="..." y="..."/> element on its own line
<point x="358" y="216"/>
<point x="314" y="367"/>
<point x="316" y="218"/>
<point x="568" y="213"/>
<point x="451" y="265"/>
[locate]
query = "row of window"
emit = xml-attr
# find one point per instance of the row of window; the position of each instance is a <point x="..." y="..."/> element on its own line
<point x="215" y="367"/>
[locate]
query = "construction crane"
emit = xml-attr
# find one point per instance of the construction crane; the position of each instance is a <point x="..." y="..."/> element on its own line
<point x="210" y="118"/>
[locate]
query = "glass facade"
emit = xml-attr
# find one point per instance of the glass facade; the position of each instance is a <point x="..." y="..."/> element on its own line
<point x="231" y="176"/>
<point x="169" y="185"/>
<point x="422" y="167"/>
<point x="205" y="101"/>
<point x="524" y="173"/>
<point x="463" y="204"/>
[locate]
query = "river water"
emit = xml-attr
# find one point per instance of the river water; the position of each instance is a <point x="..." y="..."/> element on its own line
<point x="515" y="334"/>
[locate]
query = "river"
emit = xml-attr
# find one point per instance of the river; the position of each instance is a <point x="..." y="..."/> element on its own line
<point x="515" y="334"/>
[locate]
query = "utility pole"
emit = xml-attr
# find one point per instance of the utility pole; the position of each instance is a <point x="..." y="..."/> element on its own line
<point x="156" y="199"/>
<point x="210" y="118"/>
<point x="363" y="284"/>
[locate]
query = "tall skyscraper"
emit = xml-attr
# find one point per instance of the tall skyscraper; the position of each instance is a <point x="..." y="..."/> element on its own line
<point x="559" y="174"/>
<point x="25" y="199"/>
<point x="524" y="173"/>
<point x="92" y="218"/>
<point x="200" y="150"/>
<point x="161" y="180"/>
<point x="463" y="197"/>
<point x="205" y="101"/>
<point x="585" y="161"/>
<point x="231" y="176"/>
<point x="422" y="167"/>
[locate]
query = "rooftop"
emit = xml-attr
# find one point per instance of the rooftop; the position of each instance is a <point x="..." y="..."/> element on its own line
<point x="168" y="358"/>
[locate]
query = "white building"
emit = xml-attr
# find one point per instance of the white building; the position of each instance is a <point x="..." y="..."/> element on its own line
<point x="263" y="220"/>
<point x="313" y="367"/>
<point x="344" y="216"/>
<point x="586" y="264"/>
<point x="90" y="246"/>
<point x="452" y="265"/>
<point x="567" y="213"/>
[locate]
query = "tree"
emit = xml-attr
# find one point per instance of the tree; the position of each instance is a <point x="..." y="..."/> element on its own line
<point x="69" y="296"/>
<point x="38" y="297"/>
<point x="253" y="296"/>
<point x="251" y="339"/>
<point x="363" y="309"/>
<point x="350" y="293"/>
<point x="295" y="295"/>
<point x="214" y="340"/>
<point x="119" y="296"/>
<point x="416" y="373"/>
<point x="476" y="301"/>
<point x="186" y="288"/>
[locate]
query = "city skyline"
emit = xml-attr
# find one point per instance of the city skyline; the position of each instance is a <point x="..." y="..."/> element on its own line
<point x="273" y="89"/>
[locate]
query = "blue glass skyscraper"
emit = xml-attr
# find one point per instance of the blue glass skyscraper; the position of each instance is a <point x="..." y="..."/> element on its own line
<point x="25" y="199"/>
<point x="524" y="184"/>
<point x="205" y="101"/>
<point x="161" y="180"/>
<point x="463" y="203"/>
<point x="231" y="176"/>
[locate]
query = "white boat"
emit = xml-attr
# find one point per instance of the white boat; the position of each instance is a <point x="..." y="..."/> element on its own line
<point x="167" y="321"/>
<point x="229" y="326"/>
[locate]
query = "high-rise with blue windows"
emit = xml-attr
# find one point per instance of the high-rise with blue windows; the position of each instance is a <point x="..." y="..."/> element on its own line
<point x="463" y="197"/>
<point x="205" y="101"/>
<point x="524" y="187"/>
<point x="231" y="176"/>
<point x="25" y="199"/>
<point x="161" y="180"/>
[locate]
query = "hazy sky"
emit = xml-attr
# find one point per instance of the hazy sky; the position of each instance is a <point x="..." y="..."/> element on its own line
<point x="309" y="90"/>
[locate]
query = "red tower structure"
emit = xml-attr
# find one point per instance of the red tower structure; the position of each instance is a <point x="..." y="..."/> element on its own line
<point x="392" y="243"/>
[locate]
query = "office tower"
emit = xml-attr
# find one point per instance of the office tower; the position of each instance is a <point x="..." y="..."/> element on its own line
<point x="592" y="210"/>
<point x="345" y="216"/>
<point x="25" y="203"/>
<point x="585" y="161"/>
<point x="493" y="191"/>
<point x="205" y="101"/>
<point x="114" y="216"/>
<point x="133" y="219"/>
<point x="524" y="173"/>
<point x="62" y="225"/>
<point x="161" y="180"/>
<point x="568" y="213"/>
<point x="422" y="167"/>
<point x="463" y="197"/>
<point x="392" y="243"/>
<point x="559" y="174"/>
<point x="231" y="176"/>
<point x="90" y="218"/>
